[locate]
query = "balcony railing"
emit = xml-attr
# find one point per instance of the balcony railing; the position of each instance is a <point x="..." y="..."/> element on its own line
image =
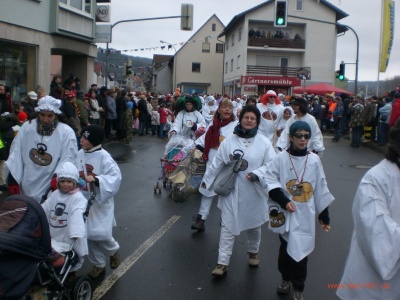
<point x="271" y="71"/>
<point x="276" y="43"/>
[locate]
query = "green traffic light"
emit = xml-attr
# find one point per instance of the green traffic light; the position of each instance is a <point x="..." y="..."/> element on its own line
<point x="341" y="77"/>
<point x="280" y="21"/>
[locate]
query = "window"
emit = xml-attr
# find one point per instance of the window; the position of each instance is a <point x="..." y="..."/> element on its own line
<point x="284" y="61"/>
<point x="299" y="5"/>
<point x="213" y="27"/>
<point x="226" y="43"/>
<point x="231" y="65"/>
<point x="240" y="34"/>
<point x="226" y="67"/>
<point x="219" y="48"/>
<point x="206" y="46"/>
<point x="83" y="5"/>
<point x="238" y="62"/>
<point x="196" y="67"/>
<point x="233" y="39"/>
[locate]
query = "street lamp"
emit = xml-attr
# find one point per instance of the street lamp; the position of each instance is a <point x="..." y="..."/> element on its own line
<point x="174" y="84"/>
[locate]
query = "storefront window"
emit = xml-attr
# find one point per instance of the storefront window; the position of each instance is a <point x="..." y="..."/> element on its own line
<point x="17" y="68"/>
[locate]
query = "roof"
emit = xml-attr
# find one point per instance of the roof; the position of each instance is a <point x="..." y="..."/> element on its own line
<point x="160" y="58"/>
<point x="340" y="14"/>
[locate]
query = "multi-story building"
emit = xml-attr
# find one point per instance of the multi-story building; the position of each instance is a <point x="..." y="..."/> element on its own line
<point x="197" y="66"/>
<point x="259" y="57"/>
<point x="35" y="33"/>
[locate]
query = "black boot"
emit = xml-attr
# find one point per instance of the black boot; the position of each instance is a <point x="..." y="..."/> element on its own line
<point x="198" y="224"/>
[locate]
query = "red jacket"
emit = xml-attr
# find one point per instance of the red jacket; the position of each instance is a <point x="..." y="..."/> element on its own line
<point x="395" y="114"/>
<point x="163" y="115"/>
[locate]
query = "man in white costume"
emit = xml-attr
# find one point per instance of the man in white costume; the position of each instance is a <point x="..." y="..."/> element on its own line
<point x="64" y="209"/>
<point x="295" y="180"/>
<point x="372" y="268"/>
<point x="271" y="114"/>
<point x="245" y="207"/>
<point x="316" y="142"/>
<point x="189" y="119"/>
<point x="103" y="175"/>
<point x="40" y="147"/>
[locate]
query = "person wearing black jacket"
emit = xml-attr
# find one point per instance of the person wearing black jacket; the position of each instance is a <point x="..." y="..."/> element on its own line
<point x="120" y="104"/>
<point x="144" y="115"/>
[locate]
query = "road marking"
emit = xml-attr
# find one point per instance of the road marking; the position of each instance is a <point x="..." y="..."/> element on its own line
<point x="132" y="259"/>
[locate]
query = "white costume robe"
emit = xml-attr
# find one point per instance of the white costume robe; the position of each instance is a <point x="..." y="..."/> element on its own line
<point x="314" y="199"/>
<point x="271" y="114"/>
<point x="316" y="142"/>
<point x="101" y="215"/>
<point x="246" y="206"/>
<point x="206" y="112"/>
<point x="65" y="216"/>
<point x="373" y="264"/>
<point x="224" y="132"/>
<point x="180" y="125"/>
<point x="32" y="170"/>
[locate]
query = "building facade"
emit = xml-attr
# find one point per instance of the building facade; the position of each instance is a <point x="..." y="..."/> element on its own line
<point x="198" y="64"/>
<point x="259" y="57"/>
<point x="34" y="32"/>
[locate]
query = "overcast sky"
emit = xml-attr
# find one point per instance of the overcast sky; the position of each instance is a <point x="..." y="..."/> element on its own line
<point x="364" y="18"/>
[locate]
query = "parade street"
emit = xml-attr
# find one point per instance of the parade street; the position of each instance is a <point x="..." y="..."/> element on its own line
<point x="162" y="258"/>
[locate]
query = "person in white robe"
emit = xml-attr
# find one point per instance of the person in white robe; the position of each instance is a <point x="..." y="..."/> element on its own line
<point x="209" y="109"/>
<point x="245" y="208"/>
<point x="287" y="113"/>
<point x="188" y="119"/>
<point x="40" y="147"/>
<point x="372" y="269"/>
<point x="316" y="143"/>
<point x="295" y="180"/>
<point x="271" y="114"/>
<point x="222" y="126"/>
<point x="103" y="177"/>
<point x="65" y="208"/>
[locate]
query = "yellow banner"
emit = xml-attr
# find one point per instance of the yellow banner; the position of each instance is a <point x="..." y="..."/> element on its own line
<point x="387" y="34"/>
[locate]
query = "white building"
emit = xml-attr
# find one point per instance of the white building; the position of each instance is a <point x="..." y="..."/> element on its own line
<point x="275" y="58"/>
<point x="198" y="63"/>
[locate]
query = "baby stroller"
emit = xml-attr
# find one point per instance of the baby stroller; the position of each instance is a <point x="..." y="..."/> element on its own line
<point x="25" y="247"/>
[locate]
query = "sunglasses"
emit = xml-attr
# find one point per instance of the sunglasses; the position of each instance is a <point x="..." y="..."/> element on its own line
<point x="272" y="96"/>
<point x="300" y="136"/>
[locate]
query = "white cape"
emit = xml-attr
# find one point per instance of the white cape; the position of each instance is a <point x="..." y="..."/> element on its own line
<point x="246" y="206"/>
<point x="28" y="168"/>
<point x="375" y="246"/>
<point x="313" y="200"/>
<point x="101" y="215"/>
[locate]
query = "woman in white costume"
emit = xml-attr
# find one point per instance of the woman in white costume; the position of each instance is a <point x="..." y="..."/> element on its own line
<point x="222" y="126"/>
<point x="372" y="269"/>
<point x="271" y="114"/>
<point x="189" y="118"/>
<point x="245" y="208"/>
<point x="40" y="147"/>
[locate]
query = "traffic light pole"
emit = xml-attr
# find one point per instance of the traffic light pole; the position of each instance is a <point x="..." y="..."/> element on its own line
<point x="133" y="20"/>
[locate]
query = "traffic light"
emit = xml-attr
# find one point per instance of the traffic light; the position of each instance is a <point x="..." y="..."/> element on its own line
<point x="280" y="13"/>
<point x="340" y="72"/>
<point x="187" y="17"/>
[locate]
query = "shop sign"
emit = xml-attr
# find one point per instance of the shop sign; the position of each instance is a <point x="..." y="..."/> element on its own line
<point x="103" y="13"/>
<point x="250" y="89"/>
<point x="103" y="34"/>
<point x="270" y="80"/>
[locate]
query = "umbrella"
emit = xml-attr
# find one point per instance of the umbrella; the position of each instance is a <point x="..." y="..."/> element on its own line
<point x="320" y="89"/>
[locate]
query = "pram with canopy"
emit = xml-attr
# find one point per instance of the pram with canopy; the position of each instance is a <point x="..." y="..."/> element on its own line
<point x="25" y="246"/>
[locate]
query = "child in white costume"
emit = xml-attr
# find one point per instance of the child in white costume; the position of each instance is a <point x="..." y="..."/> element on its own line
<point x="103" y="175"/>
<point x="296" y="181"/>
<point x="65" y="208"/>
